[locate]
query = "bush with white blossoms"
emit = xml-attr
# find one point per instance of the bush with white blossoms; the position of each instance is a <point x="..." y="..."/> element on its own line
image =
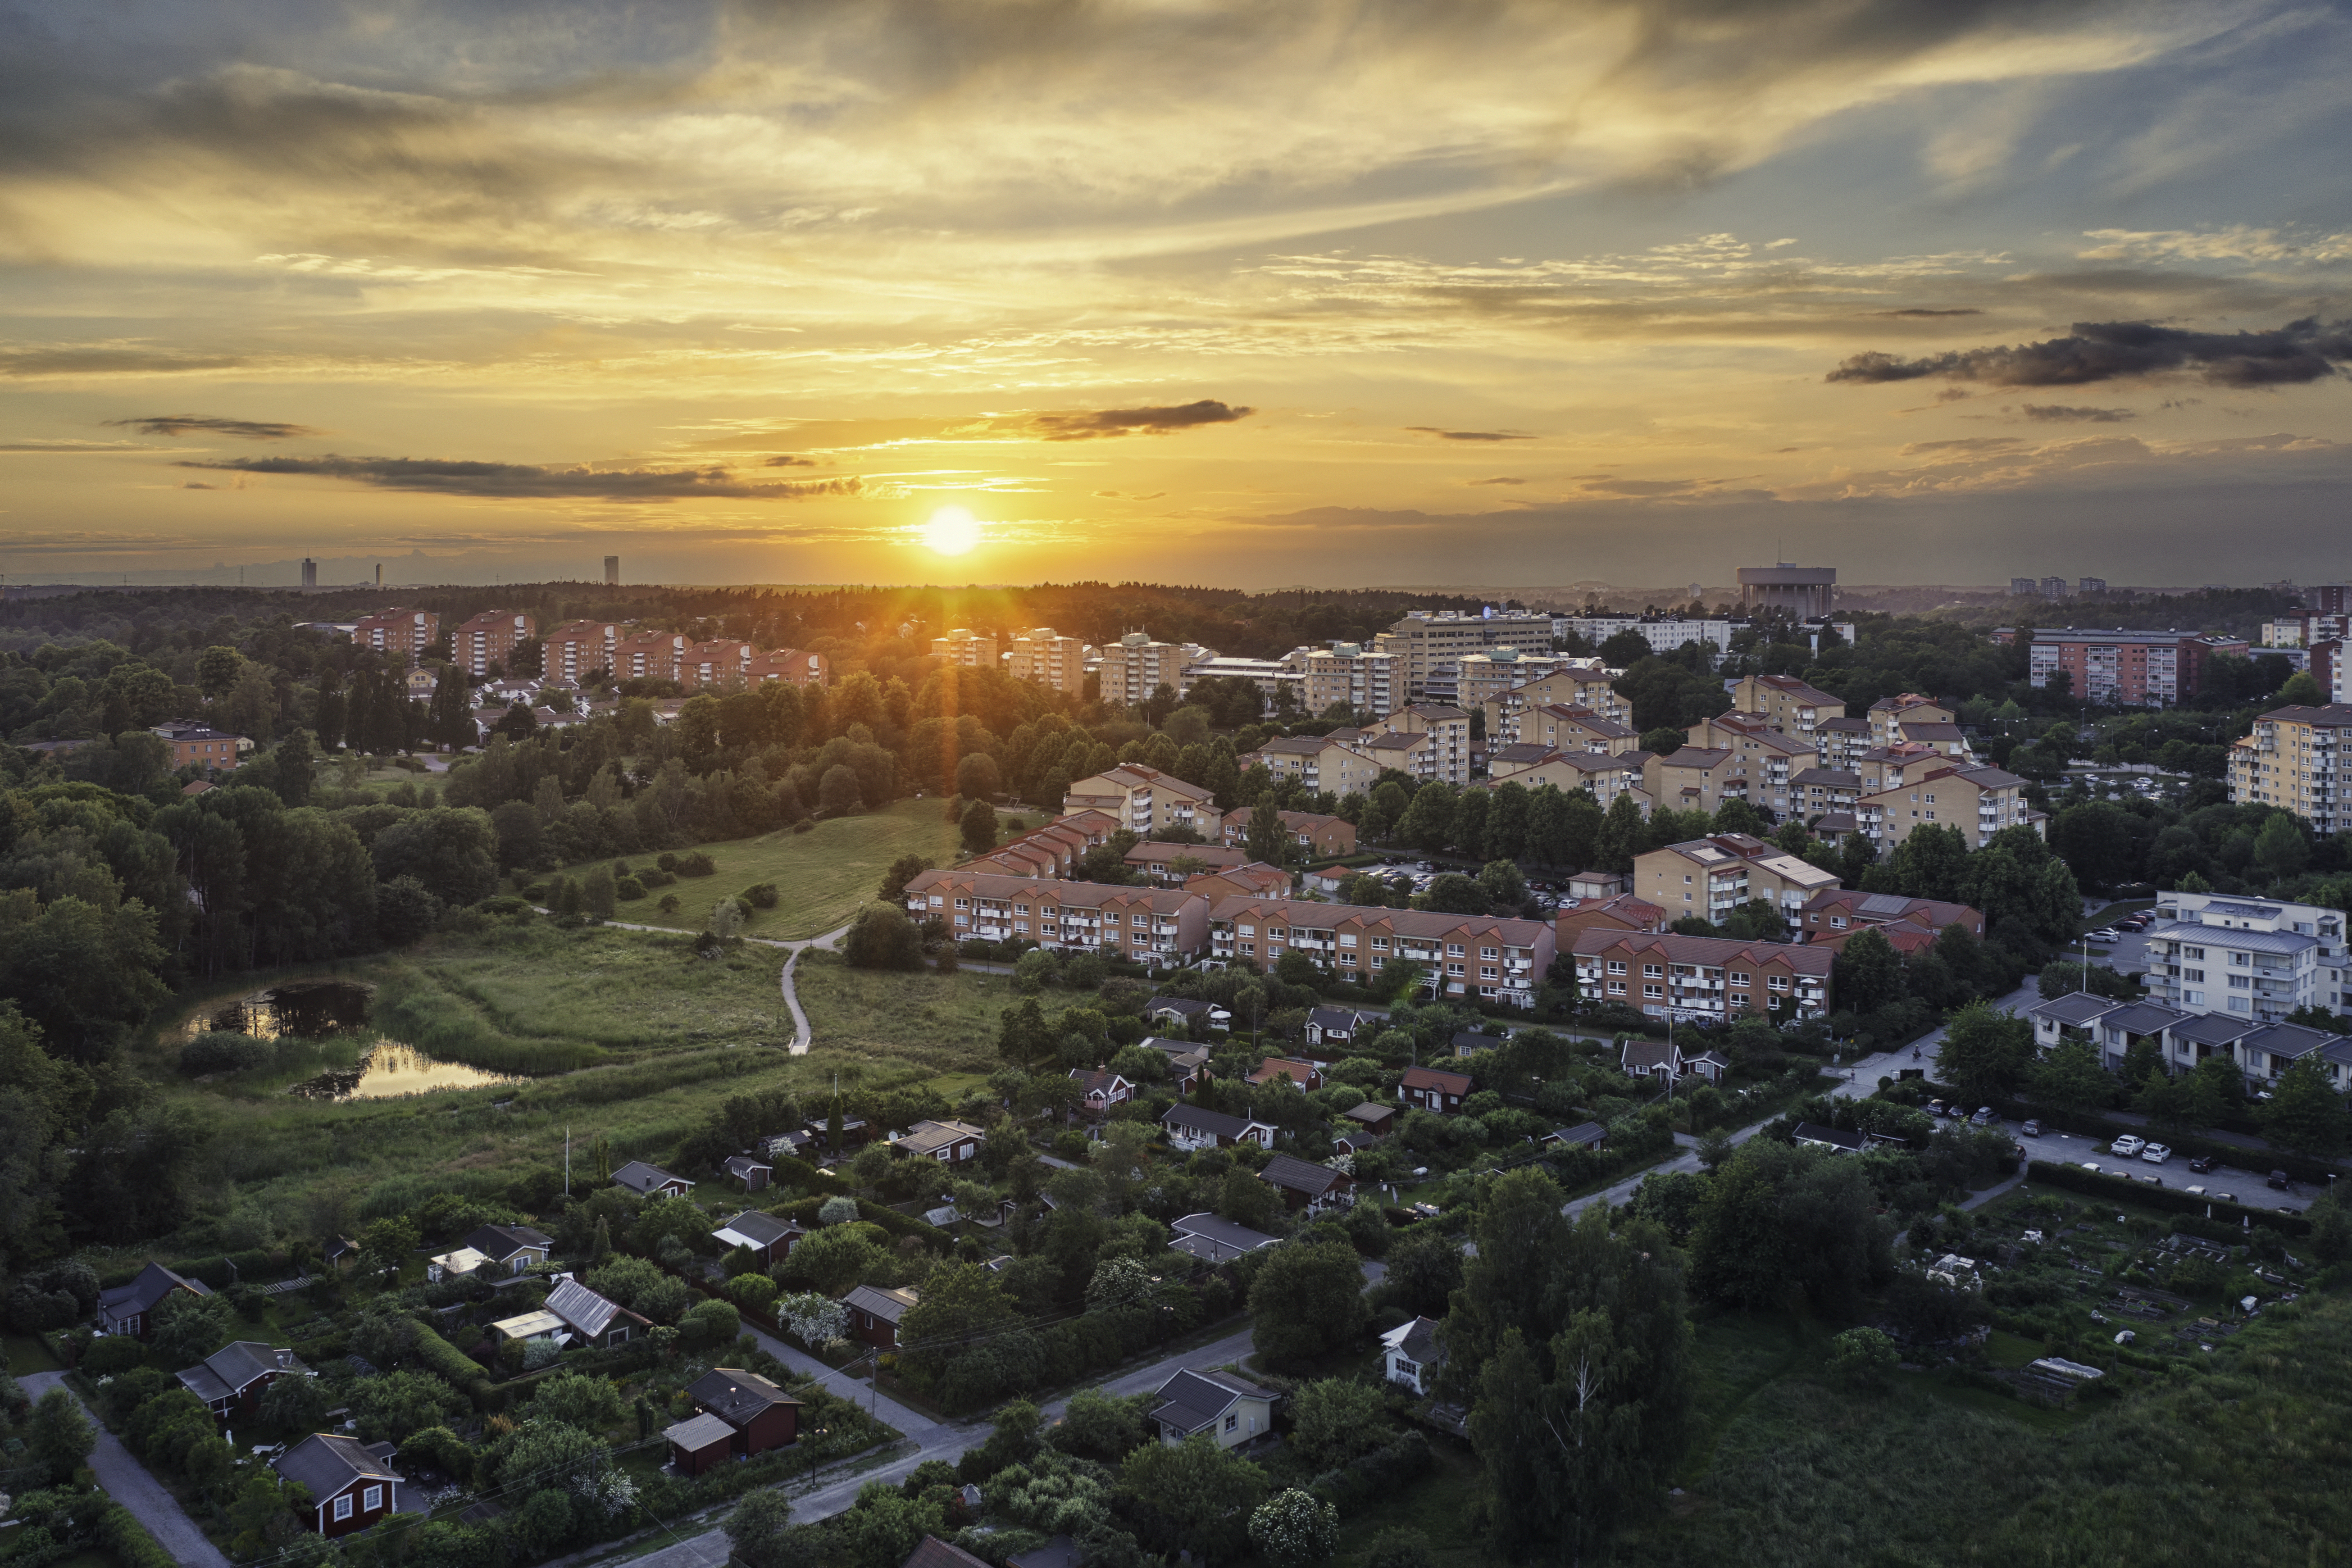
<point x="1295" y="1528"/>
<point x="813" y="1319"/>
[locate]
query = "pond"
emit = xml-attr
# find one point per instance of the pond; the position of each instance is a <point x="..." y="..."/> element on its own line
<point x="337" y="1010"/>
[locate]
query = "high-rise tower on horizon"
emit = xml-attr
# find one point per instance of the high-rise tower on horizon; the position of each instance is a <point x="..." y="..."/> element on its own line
<point x="611" y="570"/>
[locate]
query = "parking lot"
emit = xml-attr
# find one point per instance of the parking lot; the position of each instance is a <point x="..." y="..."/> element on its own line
<point x="2248" y="1187"/>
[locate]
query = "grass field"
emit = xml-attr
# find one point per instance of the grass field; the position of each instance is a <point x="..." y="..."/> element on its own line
<point x="946" y="1023"/>
<point x="824" y="875"/>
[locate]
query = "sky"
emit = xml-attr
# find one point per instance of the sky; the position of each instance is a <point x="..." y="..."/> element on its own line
<point x="1235" y="292"/>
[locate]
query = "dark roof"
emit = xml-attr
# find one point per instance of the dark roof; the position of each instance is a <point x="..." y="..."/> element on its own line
<point x="1814" y="1133"/>
<point x="1580" y="1135"/>
<point x="887" y="1305"/>
<point x="327" y="1463"/>
<point x="1343" y="1020"/>
<point x="640" y="1177"/>
<point x="1371" y="1114"/>
<point x="1200" y="1119"/>
<point x="762" y="1230"/>
<point x="154" y="1283"/>
<point x="933" y="1552"/>
<point x="735" y="1397"/>
<point x="930" y="1137"/>
<point x="2141" y="1017"/>
<point x="1642" y="1056"/>
<point x="2075" y="1007"/>
<point x="1300" y="1176"/>
<point x="1468" y="1040"/>
<point x="1220" y="1234"/>
<point x="1096" y="1081"/>
<point x="1420" y="1341"/>
<point x="742" y="1165"/>
<point x="2210" y="1028"/>
<point x="234" y="1368"/>
<point x="500" y="1242"/>
<point x="1184" y="1007"/>
<point x="1191" y="1400"/>
<point x="700" y="1432"/>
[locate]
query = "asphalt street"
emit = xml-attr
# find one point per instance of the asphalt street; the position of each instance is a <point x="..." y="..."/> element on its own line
<point x="126" y="1480"/>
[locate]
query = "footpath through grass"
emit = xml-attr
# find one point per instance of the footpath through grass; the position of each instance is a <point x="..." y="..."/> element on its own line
<point x="822" y="876"/>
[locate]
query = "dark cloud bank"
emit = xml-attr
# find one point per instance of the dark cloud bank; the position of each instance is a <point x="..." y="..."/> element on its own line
<point x="2299" y="353"/>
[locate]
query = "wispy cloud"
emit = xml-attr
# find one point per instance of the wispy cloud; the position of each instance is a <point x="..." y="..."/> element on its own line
<point x="205" y="425"/>
<point x="2059" y="414"/>
<point x="1092" y="424"/>
<point x="1467" y="435"/>
<point x="511" y="481"/>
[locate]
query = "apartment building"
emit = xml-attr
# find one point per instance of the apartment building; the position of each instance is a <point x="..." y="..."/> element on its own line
<point x="1429" y="646"/>
<point x="1146" y="802"/>
<point x="2122" y="668"/>
<point x="398" y="631"/>
<point x="2291" y="761"/>
<point x="1716" y="979"/>
<point x="1173" y="864"/>
<point x="1607" y="774"/>
<point x="1053" y="851"/>
<point x="1620" y="911"/>
<point x="1840" y="743"/>
<point x="1565" y="728"/>
<point x="1319" y="837"/>
<point x="650" y="655"/>
<point x="1584" y="683"/>
<point x="578" y="649"/>
<point x="1156" y="926"/>
<point x="1349" y="673"/>
<point x="1771" y="759"/>
<point x="1135" y="666"/>
<point x="201" y="744"/>
<point x="1663" y="633"/>
<point x="2259" y="958"/>
<point x="1892" y="717"/>
<point x="716" y="664"/>
<point x="1818" y="792"/>
<point x="2303" y="627"/>
<point x="1272" y="677"/>
<point x="489" y="639"/>
<point x="1318" y="762"/>
<point x="796" y="666"/>
<point x="1980" y="802"/>
<point x="1711" y="876"/>
<point x="1446" y="730"/>
<point x="1044" y="656"/>
<point x="1461" y="955"/>
<point x="1482" y="676"/>
<point x="1787" y="704"/>
<point x="1889" y="767"/>
<point x="964" y="646"/>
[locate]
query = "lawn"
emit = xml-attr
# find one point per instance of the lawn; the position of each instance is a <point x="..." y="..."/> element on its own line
<point x="824" y="875"/>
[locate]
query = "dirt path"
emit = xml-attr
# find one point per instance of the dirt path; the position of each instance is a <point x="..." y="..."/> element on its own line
<point x="801" y="1034"/>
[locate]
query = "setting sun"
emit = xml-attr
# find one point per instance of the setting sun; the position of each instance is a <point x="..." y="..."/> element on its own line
<point x="952" y="530"/>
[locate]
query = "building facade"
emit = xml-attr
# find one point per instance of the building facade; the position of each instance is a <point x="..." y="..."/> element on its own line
<point x="1714" y="979"/>
<point x="1712" y="877"/>
<point x="1459" y="956"/>
<point x="1429" y="646"/>
<point x="2256" y="958"/>
<point x="971" y="649"/>
<point x="489" y="639"/>
<point x="1146" y="802"/>
<point x="1044" y="656"/>
<point x="1805" y="592"/>
<point x="2291" y="761"/>
<point x="578" y="649"/>
<point x="1159" y="926"/>
<point x="2123" y="667"/>
<point x="398" y="631"/>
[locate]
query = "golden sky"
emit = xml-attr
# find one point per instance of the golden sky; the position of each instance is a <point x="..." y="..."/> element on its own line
<point x="1239" y="293"/>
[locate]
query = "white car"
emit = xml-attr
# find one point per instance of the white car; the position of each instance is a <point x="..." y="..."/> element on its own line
<point x="2156" y="1154"/>
<point x="2128" y="1145"/>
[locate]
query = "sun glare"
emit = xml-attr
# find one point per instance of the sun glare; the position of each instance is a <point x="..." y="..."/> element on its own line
<point x="952" y="530"/>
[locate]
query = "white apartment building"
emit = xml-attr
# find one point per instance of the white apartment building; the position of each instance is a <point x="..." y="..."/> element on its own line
<point x="2256" y="958"/>
<point x="1663" y="633"/>
<point x="1429" y="646"/>
<point x="1483" y="677"/>
<point x="1272" y="677"/>
<point x="965" y="647"/>
<point x="1046" y="657"/>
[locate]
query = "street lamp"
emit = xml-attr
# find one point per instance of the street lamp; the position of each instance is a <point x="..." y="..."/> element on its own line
<point x="817" y="1436"/>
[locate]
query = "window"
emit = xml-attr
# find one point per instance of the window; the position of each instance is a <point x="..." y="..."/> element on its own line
<point x="963" y="903"/>
<point x="1487" y="953"/>
<point x="1453" y="950"/>
<point x="372" y="1499"/>
<point x="1232" y="1421"/>
<point x="1654" y="991"/>
<point x="1616" y="966"/>
<point x="343" y="1506"/>
<point x="1652" y="970"/>
<point x="1380" y="944"/>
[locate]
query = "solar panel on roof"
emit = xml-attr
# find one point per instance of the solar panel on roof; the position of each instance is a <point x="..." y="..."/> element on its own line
<point x="1885" y="904"/>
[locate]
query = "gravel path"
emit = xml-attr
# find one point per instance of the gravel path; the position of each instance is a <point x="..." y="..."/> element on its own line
<point x="126" y="1480"/>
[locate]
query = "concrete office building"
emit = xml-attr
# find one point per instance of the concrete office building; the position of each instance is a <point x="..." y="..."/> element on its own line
<point x="1429" y="646"/>
<point x="1805" y="592"/>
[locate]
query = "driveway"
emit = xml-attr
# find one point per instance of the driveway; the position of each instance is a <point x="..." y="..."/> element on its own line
<point x="126" y="1480"/>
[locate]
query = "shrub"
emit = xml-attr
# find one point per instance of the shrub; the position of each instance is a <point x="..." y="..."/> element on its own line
<point x="1863" y="1357"/>
<point x="761" y="895"/>
<point x="628" y="890"/>
<point x="696" y="863"/>
<point x="1295" y="1528"/>
<point x="221" y="1050"/>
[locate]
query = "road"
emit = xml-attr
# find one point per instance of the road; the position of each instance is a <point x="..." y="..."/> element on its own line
<point x="942" y="1441"/>
<point x="126" y="1480"/>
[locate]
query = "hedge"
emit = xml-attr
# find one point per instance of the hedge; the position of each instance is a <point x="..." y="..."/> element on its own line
<point x="793" y="1169"/>
<point x="2170" y="1199"/>
<point x="126" y="1541"/>
<point x="1378" y="1475"/>
<point x="439" y="1356"/>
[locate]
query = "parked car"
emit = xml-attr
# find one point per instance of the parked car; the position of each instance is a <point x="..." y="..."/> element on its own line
<point x="2033" y="1127"/>
<point x="2092" y="1166"/>
<point x="1983" y="1118"/>
<point x="2225" y="1197"/>
<point x="1938" y="1107"/>
<point x="2202" y="1164"/>
<point x="2279" y="1182"/>
<point x="2153" y="1181"/>
<point x="2156" y="1154"/>
<point x="2127" y="1145"/>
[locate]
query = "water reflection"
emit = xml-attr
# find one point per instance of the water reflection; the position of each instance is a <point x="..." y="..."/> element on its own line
<point x="390" y="1070"/>
<point x="325" y="1009"/>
